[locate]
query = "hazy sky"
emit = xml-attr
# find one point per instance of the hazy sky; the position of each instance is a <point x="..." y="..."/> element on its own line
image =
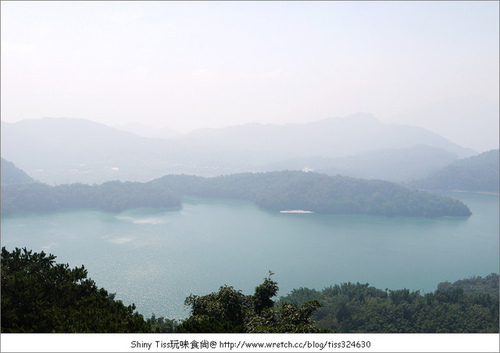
<point x="187" y="65"/>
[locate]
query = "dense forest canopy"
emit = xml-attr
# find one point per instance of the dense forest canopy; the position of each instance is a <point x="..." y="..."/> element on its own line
<point x="110" y="196"/>
<point x="39" y="295"/>
<point x="465" y="306"/>
<point x="319" y="193"/>
<point x="475" y="285"/>
<point x="228" y="310"/>
<point x="273" y="190"/>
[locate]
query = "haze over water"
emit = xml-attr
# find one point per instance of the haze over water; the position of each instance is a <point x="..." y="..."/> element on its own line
<point x="156" y="258"/>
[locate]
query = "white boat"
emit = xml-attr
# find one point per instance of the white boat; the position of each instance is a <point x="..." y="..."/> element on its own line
<point x="296" y="211"/>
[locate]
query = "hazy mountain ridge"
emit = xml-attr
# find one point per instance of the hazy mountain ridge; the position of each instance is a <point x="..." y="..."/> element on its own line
<point x="480" y="133"/>
<point x="10" y="174"/>
<point x="58" y="150"/>
<point x="397" y="165"/>
<point x="147" y="131"/>
<point x="477" y="173"/>
<point x="77" y="150"/>
<point x="334" y="137"/>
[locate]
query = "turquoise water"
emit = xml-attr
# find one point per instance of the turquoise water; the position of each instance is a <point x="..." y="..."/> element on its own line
<point x="156" y="258"/>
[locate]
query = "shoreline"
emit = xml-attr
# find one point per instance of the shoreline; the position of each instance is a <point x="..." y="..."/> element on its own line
<point x="478" y="192"/>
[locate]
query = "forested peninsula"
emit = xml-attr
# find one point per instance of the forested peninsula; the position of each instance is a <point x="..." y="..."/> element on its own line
<point x="274" y="191"/>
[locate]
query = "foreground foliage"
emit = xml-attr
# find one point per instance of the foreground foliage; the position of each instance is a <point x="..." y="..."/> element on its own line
<point x="40" y="296"/>
<point x="230" y="311"/>
<point x="353" y="308"/>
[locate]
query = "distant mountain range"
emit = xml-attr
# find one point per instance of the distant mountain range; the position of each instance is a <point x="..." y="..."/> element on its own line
<point x="336" y="137"/>
<point x="58" y="150"/>
<point x="147" y="131"/>
<point x="451" y="118"/>
<point x="397" y="164"/>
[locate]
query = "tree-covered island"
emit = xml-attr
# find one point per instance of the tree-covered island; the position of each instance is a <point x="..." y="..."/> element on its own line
<point x="276" y="191"/>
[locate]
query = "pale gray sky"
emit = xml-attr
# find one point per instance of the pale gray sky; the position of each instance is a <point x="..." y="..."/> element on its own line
<point x="188" y="65"/>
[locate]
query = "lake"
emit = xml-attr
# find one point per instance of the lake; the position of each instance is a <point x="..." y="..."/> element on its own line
<point x="156" y="258"/>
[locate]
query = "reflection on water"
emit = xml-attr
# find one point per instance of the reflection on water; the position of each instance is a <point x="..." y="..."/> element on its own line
<point x="144" y="216"/>
<point x="156" y="258"/>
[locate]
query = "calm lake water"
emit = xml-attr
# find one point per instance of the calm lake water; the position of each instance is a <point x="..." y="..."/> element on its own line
<point x="156" y="258"/>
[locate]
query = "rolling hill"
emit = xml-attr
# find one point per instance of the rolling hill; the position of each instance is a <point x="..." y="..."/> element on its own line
<point x="13" y="175"/>
<point x="478" y="173"/>
<point x="275" y="191"/>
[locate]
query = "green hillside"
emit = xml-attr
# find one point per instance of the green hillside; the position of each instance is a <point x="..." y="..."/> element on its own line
<point x="275" y="191"/>
<point x="294" y="190"/>
<point x="13" y="175"/>
<point x="478" y="173"/>
<point x="466" y="306"/>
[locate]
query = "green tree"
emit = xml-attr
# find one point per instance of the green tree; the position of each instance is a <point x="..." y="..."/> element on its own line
<point x="263" y="294"/>
<point x="161" y="324"/>
<point x="40" y="296"/>
<point x="230" y="311"/>
<point x="465" y="306"/>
